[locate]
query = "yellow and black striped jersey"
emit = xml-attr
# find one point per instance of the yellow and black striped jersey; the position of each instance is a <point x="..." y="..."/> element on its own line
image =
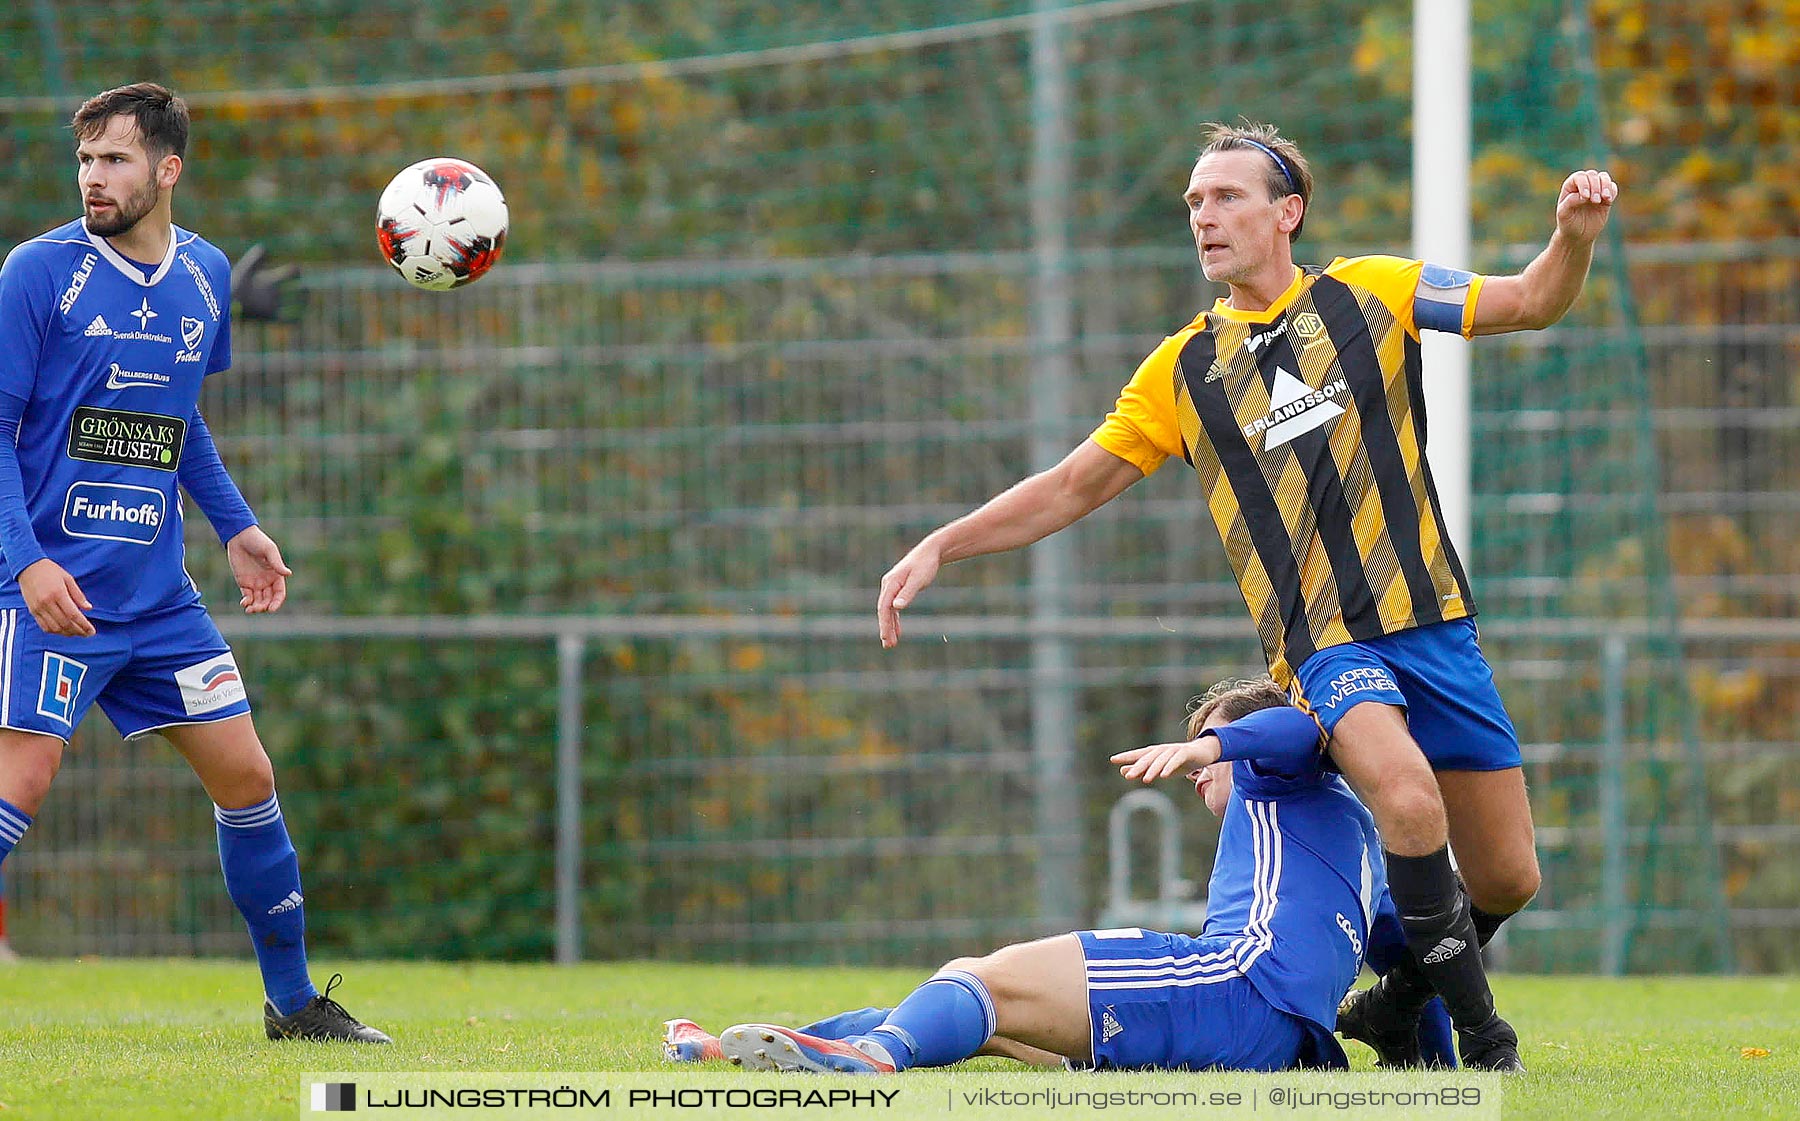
<point x="1306" y="426"/>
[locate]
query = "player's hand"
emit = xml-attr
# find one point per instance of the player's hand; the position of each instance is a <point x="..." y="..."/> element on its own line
<point x="1585" y="204"/>
<point x="903" y="582"/>
<point x="261" y="575"/>
<point x="1165" y="760"/>
<point x="55" y="600"/>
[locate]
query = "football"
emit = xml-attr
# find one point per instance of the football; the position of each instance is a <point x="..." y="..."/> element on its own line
<point x="441" y="223"/>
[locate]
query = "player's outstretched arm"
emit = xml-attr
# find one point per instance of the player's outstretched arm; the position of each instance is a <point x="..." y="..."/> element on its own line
<point x="1086" y="479"/>
<point x="1547" y="288"/>
<point x="261" y="575"/>
<point x="1166" y="760"/>
<point x="1284" y="739"/>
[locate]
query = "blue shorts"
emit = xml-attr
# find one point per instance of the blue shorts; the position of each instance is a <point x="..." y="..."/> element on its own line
<point x="1438" y="674"/>
<point x="154" y="671"/>
<point x="1173" y="1002"/>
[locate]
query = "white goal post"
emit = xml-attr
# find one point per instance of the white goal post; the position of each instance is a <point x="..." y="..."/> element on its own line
<point x="1440" y="233"/>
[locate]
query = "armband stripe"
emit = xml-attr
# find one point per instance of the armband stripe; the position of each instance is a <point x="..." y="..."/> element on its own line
<point x="1432" y="315"/>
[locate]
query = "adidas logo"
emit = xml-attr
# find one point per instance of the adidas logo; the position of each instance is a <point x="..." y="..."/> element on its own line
<point x="1445" y="950"/>
<point x="1296" y="408"/>
<point x="1109" y="1026"/>
<point x="97" y="329"/>
<point x="291" y="903"/>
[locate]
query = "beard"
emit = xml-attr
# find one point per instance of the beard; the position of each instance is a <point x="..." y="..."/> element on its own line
<point x="128" y="213"/>
<point x="1235" y="271"/>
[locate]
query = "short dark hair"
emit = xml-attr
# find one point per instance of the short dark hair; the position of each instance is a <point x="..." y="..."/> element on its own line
<point x="1234" y="698"/>
<point x="161" y="116"/>
<point x="1289" y="173"/>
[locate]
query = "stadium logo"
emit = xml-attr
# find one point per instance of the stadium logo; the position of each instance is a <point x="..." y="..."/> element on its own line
<point x="334" y="1097"/>
<point x="125" y="438"/>
<point x="210" y="685"/>
<point x="114" y="512"/>
<point x="78" y="282"/>
<point x="205" y="286"/>
<point x="97" y="329"/>
<point x="1350" y="933"/>
<point x="1296" y="408"/>
<point x="60" y="686"/>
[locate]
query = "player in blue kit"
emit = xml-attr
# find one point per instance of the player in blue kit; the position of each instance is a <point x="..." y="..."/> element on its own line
<point x="108" y="325"/>
<point x="1297" y="892"/>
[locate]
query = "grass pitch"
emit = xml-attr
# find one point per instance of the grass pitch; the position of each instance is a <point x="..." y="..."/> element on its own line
<point x="183" y="1039"/>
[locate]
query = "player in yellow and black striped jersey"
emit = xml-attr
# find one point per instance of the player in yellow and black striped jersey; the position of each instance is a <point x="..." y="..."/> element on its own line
<point x="1297" y="401"/>
<point x="1305" y="424"/>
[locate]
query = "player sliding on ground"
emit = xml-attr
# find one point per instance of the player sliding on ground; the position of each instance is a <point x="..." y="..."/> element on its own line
<point x="108" y="325"/>
<point x="1297" y="887"/>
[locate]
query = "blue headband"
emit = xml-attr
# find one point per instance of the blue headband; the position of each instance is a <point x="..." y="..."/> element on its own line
<point x="1279" y="162"/>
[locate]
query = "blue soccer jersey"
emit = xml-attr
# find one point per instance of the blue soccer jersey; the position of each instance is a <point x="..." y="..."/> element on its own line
<point x="1299" y="868"/>
<point x="105" y="358"/>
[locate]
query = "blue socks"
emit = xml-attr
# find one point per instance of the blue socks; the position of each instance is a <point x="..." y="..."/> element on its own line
<point x="262" y="875"/>
<point x="13" y="823"/>
<point x="1437" y="1043"/>
<point x="945" y="1020"/>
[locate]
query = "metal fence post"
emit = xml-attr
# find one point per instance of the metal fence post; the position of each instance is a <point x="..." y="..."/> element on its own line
<point x="570" y="651"/>
<point x="1613" y="909"/>
<point x="1058" y="822"/>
